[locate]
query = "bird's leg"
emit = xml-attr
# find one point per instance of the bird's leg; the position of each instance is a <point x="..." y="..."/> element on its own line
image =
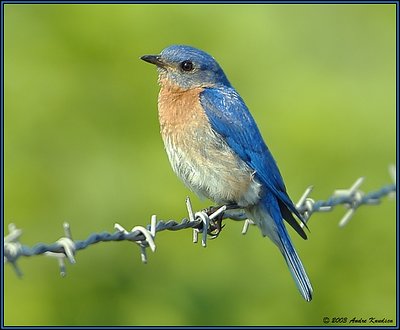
<point x="216" y="224"/>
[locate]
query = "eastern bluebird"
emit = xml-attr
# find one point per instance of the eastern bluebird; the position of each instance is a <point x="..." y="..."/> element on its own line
<point x="215" y="147"/>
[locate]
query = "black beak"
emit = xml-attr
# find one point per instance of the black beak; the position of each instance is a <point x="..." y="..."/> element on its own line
<point x="153" y="59"/>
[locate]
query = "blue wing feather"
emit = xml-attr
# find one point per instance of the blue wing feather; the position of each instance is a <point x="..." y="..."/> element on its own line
<point x="229" y="117"/>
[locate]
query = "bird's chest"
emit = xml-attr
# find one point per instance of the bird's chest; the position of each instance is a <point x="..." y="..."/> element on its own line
<point x="180" y="111"/>
<point x="186" y="132"/>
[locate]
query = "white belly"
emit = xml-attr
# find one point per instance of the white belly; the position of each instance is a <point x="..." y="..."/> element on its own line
<point x="208" y="167"/>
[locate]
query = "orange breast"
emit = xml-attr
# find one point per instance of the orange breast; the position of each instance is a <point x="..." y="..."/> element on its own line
<point x="179" y="111"/>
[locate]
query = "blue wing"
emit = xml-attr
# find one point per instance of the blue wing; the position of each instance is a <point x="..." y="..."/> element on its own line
<point x="230" y="118"/>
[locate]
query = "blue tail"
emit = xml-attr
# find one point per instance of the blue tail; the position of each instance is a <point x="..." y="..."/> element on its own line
<point x="295" y="266"/>
<point x="268" y="217"/>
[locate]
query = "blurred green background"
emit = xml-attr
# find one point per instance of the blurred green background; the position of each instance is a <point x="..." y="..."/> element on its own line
<point x="82" y="145"/>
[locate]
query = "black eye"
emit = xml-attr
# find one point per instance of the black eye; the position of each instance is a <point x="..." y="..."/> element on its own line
<point x="187" y="66"/>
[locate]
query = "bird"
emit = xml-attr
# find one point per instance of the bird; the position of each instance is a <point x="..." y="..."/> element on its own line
<point x="215" y="147"/>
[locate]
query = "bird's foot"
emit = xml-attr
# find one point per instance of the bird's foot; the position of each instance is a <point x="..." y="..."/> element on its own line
<point x="216" y="224"/>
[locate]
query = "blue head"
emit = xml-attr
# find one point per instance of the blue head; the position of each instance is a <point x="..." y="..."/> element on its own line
<point x="187" y="67"/>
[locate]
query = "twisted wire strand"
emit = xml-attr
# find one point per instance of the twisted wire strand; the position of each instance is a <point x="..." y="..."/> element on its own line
<point x="205" y="223"/>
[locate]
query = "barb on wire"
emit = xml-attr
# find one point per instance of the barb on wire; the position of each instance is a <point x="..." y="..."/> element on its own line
<point x="205" y="222"/>
<point x="352" y="198"/>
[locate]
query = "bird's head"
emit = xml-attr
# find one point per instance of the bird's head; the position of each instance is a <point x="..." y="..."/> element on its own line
<point x="186" y="67"/>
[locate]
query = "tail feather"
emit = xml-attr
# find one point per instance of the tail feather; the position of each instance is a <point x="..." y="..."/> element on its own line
<point x="295" y="266"/>
<point x="268" y="217"/>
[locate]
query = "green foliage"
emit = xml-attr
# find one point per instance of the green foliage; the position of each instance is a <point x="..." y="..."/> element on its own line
<point x="82" y="145"/>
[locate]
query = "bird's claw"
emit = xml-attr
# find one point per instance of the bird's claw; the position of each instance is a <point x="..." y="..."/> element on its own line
<point x="215" y="229"/>
<point x="216" y="225"/>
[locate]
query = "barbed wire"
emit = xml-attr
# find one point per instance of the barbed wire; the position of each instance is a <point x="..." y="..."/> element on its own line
<point x="207" y="222"/>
